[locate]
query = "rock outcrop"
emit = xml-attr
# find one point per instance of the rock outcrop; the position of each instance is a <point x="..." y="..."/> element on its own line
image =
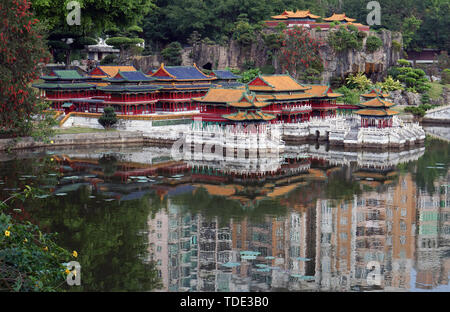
<point x="234" y="55"/>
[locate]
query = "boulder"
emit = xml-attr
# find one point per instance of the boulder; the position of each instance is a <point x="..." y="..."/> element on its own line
<point x="397" y="98"/>
<point x="413" y="98"/>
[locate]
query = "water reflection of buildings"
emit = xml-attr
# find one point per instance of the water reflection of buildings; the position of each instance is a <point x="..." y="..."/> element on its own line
<point x="325" y="244"/>
<point x="433" y="241"/>
<point x="373" y="229"/>
<point x="319" y="244"/>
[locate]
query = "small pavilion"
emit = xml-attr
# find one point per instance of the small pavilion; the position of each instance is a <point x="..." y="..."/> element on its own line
<point x="376" y="113"/>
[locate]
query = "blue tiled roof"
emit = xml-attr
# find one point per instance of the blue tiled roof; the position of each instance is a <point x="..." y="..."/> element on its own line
<point x="199" y="86"/>
<point x="184" y="72"/>
<point x="225" y="74"/>
<point x="119" y="88"/>
<point x="131" y="76"/>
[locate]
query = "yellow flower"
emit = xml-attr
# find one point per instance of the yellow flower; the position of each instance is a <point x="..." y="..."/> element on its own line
<point x="75" y="254"/>
<point x="51" y="142"/>
<point x="51" y="159"/>
<point x="25" y="240"/>
<point x="7" y="233"/>
<point x="45" y="248"/>
<point x="67" y="271"/>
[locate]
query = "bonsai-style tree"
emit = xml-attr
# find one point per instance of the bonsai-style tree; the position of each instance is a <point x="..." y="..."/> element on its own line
<point x="108" y="118"/>
<point x="172" y="54"/>
<point x="126" y="41"/>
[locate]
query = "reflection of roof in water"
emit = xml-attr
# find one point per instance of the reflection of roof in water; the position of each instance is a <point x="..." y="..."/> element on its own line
<point x="219" y="190"/>
<point x="282" y="190"/>
<point x="375" y="175"/>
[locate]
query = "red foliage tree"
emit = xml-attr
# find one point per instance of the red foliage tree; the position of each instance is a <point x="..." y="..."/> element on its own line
<point x="22" y="48"/>
<point x="299" y="51"/>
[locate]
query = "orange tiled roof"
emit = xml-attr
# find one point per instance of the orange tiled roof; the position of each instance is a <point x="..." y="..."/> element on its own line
<point x="278" y="83"/>
<point x="248" y="104"/>
<point x="246" y="115"/>
<point x="339" y="17"/>
<point x="223" y="95"/>
<point x="297" y="14"/>
<point x="321" y="91"/>
<point x="377" y="102"/>
<point x="111" y="71"/>
<point x="304" y="14"/>
<point x="374" y="93"/>
<point x="376" y="112"/>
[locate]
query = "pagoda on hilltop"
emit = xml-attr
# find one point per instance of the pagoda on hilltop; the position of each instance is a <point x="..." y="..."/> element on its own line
<point x="339" y="18"/>
<point x="304" y="18"/>
<point x="376" y="113"/>
<point x="130" y="93"/>
<point x="178" y="84"/>
<point x="299" y="16"/>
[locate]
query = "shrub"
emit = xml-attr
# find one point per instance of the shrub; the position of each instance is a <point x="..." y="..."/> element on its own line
<point x="445" y="76"/>
<point x="30" y="260"/>
<point x="350" y="96"/>
<point x="373" y="43"/>
<point x="425" y="98"/>
<point x="396" y="46"/>
<point x="108" y="118"/>
<point x="358" y="81"/>
<point x="110" y="59"/>
<point x="343" y="40"/>
<point x="249" y="75"/>
<point x="390" y="84"/>
<point x="417" y="111"/>
<point x="403" y="62"/>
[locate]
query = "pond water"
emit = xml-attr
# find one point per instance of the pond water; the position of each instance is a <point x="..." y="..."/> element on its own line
<point x="316" y="219"/>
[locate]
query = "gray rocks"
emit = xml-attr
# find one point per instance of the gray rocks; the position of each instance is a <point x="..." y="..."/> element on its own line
<point x="406" y="98"/>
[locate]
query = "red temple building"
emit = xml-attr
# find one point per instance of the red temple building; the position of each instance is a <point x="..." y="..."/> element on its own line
<point x="376" y="113"/>
<point x="62" y="88"/>
<point x="178" y="85"/>
<point x="101" y="72"/>
<point x="287" y="98"/>
<point x="323" y="101"/>
<point x="130" y="93"/>
<point x="228" y="106"/>
<point x="293" y="102"/>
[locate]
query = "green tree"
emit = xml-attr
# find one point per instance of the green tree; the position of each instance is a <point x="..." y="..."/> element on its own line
<point x="108" y="118"/>
<point x="409" y="30"/>
<point x="172" y="54"/>
<point x="96" y="16"/>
